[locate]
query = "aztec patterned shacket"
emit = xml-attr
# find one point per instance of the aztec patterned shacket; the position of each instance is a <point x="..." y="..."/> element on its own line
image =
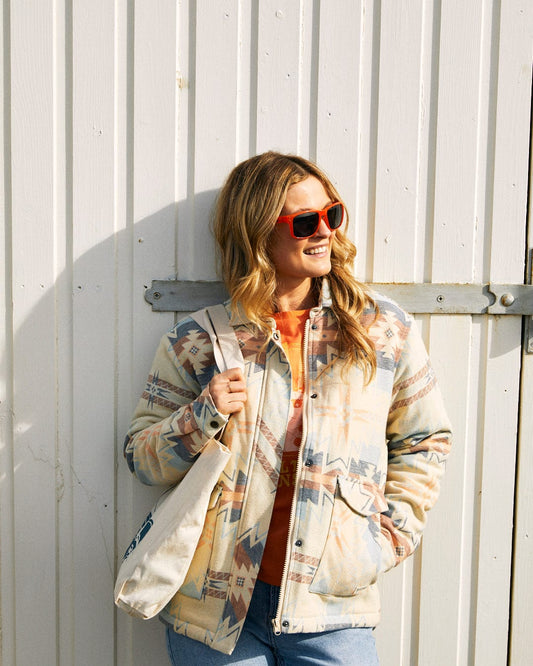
<point x="369" y="469"/>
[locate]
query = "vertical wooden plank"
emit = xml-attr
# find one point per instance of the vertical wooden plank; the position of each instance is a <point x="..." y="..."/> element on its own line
<point x="511" y="149"/>
<point x="124" y="390"/>
<point x="397" y="181"/>
<point x="246" y="112"/>
<point x="497" y="467"/>
<point x="337" y="100"/>
<point x="7" y="533"/>
<point x="447" y="549"/>
<point x="521" y="637"/>
<point x="394" y="239"/>
<point x="64" y="344"/>
<point x="185" y="138"/>
<point x="33" y="172"/>
<point x="308" y="78"/>
<point x="507" y="252"/>
<point x="458" y="174"/>
<point x="216" y="79"/>
<point x="365" y="178"/>
<point x="154" y="175"/>
<point x="93" y="363"/>
<point x="463" y="43"/>
<point x="216" y="115"/>
<point x="278" y="75"/>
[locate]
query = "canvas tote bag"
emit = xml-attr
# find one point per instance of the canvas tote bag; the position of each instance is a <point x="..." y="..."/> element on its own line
<point x="156" y="562"/>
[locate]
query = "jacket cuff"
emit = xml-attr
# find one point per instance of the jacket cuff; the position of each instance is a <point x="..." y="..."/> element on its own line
<point x="209" y="420"/>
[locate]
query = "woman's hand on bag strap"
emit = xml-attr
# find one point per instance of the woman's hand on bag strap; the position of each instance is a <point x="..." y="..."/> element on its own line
<point x="228" y="391"/>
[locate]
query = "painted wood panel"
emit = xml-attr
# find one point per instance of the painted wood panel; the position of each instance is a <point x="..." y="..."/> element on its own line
<point x="120" y="122"/>
<point x="7" y="561"/>
<point x="521" y="637"/>
<point x="338" y="116"/>
<point x="93" y="283"/>
<point x="395" y="223"/>
<point x="279" y="70"/>
<point x="507" y="256"/>
<point x="33" y="170"/>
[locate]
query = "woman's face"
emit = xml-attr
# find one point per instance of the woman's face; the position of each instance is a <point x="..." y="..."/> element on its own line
<point x="297" y="261"/>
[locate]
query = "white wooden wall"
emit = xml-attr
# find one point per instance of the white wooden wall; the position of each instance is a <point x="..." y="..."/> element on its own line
<point x="120" y="121"/>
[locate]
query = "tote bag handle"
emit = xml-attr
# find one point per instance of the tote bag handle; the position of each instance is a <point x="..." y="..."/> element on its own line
<point x="214" y="320"/>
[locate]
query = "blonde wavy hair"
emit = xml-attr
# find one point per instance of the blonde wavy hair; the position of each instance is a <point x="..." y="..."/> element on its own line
<point x="246" y="211"/>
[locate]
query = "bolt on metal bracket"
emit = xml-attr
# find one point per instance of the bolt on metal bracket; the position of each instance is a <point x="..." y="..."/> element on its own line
<point x="512" y="299"/>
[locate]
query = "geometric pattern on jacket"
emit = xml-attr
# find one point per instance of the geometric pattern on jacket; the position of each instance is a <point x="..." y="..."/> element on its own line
<point x="369" y="468"/>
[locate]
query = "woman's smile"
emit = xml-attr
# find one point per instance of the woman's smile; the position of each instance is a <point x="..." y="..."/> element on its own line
<point x="321" y="250"/>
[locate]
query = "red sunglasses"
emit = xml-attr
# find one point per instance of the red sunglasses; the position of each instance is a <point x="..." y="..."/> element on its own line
<point x="305" y="225"/>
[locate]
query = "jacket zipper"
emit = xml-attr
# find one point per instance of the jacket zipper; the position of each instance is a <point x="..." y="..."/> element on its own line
<point x="276" y="622"/>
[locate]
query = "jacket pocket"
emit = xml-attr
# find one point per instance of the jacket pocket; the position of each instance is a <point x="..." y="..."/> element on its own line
<point x="193" y="584"/>
<point x="355" y="551"/>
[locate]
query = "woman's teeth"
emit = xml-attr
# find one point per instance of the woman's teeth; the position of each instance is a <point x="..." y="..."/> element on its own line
<point x="317" y="250"/>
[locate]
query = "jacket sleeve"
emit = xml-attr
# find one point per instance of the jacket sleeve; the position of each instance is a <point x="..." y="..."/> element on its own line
<point x="175" y="416"/>
<point x="419" y="439"/>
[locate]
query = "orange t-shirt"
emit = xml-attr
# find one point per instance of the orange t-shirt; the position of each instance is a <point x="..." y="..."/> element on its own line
<point x="291" y="326"/>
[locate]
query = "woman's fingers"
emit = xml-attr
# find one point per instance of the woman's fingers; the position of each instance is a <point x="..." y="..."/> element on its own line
<point x="228" y="391"/>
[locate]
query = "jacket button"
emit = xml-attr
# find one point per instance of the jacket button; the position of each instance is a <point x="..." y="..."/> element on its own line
<point x="308" y="462"/>
<point x="214" y="424"/>
<point x="314" y="327"/>
<point x="314" y="395"/>
<point x="298" y="543"/>
<point x="285" y="623"/>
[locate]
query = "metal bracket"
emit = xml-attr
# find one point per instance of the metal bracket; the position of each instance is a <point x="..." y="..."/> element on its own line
<point x="184" y="295"/>
<point x="430" y="298"/>
<point x="417" y="298"/>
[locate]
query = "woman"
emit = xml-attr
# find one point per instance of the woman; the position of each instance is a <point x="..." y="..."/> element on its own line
<point x="337" y="433"/>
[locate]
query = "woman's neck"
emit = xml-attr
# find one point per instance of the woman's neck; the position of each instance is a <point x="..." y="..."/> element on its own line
<point x="296" y="299"/>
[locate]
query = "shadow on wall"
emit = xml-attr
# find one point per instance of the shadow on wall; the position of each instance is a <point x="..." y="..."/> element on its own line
<point x="82" y="349"/>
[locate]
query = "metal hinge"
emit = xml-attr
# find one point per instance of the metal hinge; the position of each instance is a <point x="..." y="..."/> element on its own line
<point x="417" y="298"/>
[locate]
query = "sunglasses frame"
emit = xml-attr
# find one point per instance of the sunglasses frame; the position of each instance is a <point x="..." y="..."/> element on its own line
<point x="322" y="215"/>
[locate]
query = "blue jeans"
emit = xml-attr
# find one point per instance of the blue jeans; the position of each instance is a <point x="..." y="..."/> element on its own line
<point x="258" y="646"/>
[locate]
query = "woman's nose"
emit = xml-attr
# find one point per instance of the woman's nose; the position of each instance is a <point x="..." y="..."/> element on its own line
<point x="323" y="227"/>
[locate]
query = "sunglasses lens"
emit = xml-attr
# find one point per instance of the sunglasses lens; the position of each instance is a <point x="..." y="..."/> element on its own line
<point x="335" y="215"/>
<point x="305" y="225"/>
